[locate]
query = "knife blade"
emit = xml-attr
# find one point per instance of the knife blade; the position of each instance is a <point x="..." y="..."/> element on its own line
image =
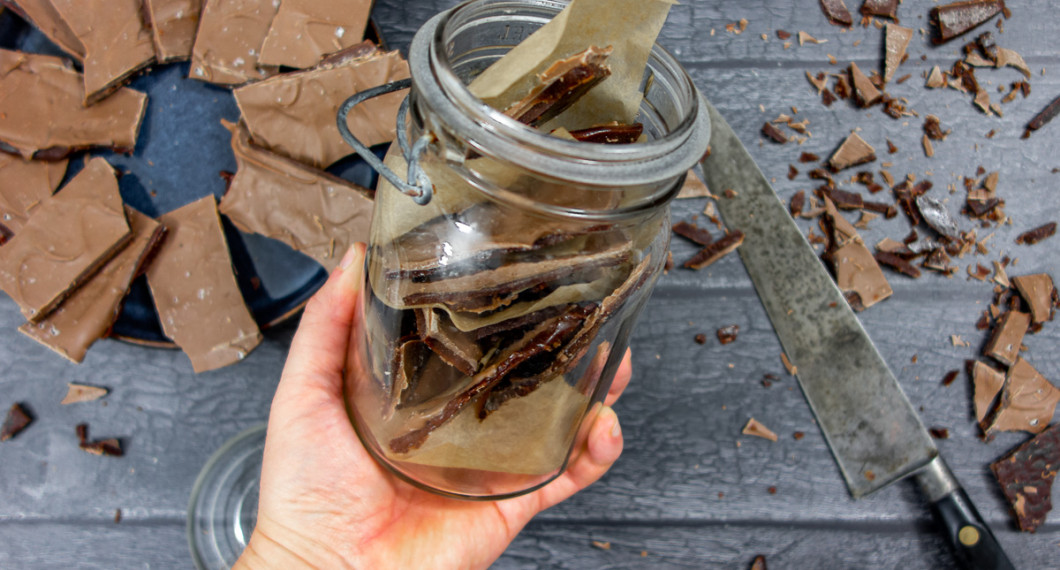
<point x="868" y="422"/>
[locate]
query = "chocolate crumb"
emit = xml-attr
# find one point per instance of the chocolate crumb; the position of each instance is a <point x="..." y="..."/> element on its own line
<point x="1031" y="237"/>
<point x="870" y="475"/>
<point x="783" y="35"/>
<point x="17" y="419"/>
<point x="808" y="157"/>
<point x="773" y="133"/>
<point x="728" y="334"/>
<point x="798" y="435"/>
<point x="772" y="490"/>
<point x="897" y="263"/>
<point x="939" y="433"/>
<point x="715" y="251"/>
<point x="891" y="149"/>
<point x="117" y="516"/>
<point x="759" y="563"/>
<point x="602" y="545"/>
<point x="755" y="428"/>
<point x="701" y="338"/>
<point x="950" y="377"/>
<point x="792" y="172"/>
<point x="933" y="129"/>
<point x="852" y="152"/>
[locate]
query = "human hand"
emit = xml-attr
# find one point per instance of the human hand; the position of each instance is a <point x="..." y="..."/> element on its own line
<point x="325" y="502"/>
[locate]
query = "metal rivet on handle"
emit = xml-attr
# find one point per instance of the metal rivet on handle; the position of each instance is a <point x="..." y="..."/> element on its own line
<point x="968" y="535"/>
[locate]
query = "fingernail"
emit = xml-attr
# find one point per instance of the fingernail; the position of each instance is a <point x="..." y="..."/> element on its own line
<point x="347" y="259"/>
<point x="616" y="428"/>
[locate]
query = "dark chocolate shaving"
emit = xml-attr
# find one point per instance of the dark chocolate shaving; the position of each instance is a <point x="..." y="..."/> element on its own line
<point x="1026" y="477"/>
<point x="888" y="210"/>
<point x="1031" y="237"/>
<point x="1042" y="118"/>
<point x="792" y="172"/>
<point x="958" y="18"/>
<point x="837" y="13"/>
<point x="773" y="133"/>
<point x="950" y="377"/>
<point x="881" y="8"/>
<point x="614" y="133"/>
<point x="897" y="263"/>
<point x="110" y="446"/>
<point x="16" y="420"/>
<point x="693" y="233"/>
<point x="716" y="250"/>
<point x="562" y="84"/>
<point x="808" y="157"/>
<point x="796" y="204"/>
<point x="844" y="200"/>
<point x="933" y="129"/>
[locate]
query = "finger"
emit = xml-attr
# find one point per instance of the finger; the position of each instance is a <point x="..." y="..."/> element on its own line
<point x="622" y="376"/>
<point x="318" y="350"/>
<point x="599" y="452"/>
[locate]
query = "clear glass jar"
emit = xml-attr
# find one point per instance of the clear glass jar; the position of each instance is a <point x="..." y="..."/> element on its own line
<point x="495" y="315"/>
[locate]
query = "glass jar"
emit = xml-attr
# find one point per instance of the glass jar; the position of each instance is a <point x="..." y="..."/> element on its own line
<point x="495" y="315"/>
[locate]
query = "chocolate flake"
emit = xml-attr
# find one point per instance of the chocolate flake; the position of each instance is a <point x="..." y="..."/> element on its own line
<point x="897" y="263"/>
<point x="896" y="42"/>
<point x="1026" y="477"/>
<point x="1042" y="118"/>
<point x="792" y="172"/>
<point x="950" y="377"/>
<point x="958" y="18"/>
<point x="1038" y="291"/>
<point x="110" y="446"/>
<point x="727" y="334"/>
<point x="852" y="152"/>
<point x="836" y="12"/>
<point x="715" y="251"/>
<point x="1004" y="344"/>
<point x="935" y="79"/>
<point x="881" y="8"/>
<point x="939" y="432"/>
<point x="16" y="420"/>
<point x="1027" y="402"/>
<point x="798" y="200"/>
<point x="933" y="128"/>
<point x="77" y="393"/>
<point x="700" y="338"/>
<point x="755" y="428"/>
<point x="808" y="157"/>
<point x="561" y="85"/>
<point x="693" y="232"/>
<point x="864" y="91"/>
<point x="773" y="133"/>
<point x="1031" y="237"/>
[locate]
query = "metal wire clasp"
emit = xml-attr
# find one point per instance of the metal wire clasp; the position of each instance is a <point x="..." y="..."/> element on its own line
<point x="418" y="186"/>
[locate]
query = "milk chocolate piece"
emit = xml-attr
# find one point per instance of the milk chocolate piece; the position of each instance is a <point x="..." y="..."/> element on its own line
<point x="173" y="24"/>
<point x="840" y="229"/>
<point x="897" y="263"/>
<point x="38" y="86"/>
<point x="937" y="217"/>
<point x="561" y="85"/>
<point x="864" y="91"/>
<point x="837" y="13"/>
<point x="43" y="15"/>
<point x="857" y="272"/>
<point x="987" y="383"/>
<point x="881" y="8"/>
<point x="773" y="133"/>
<point x="755" y="428"/>
<point x="958" y="18"/>
<point x="728" y="334"/>
<point x="15" y="421"/>
<point x="933" y="128"/>
<point x="1027" y="402"/>
<point x="294" y="113"/>
<point x="896" y="41"/>
<point x="693" y="187"/>
<point x="852" y="152"/>
<point x="1038" y="291"/>
<point x="935" y="79"/>
<point x="1026" y="476"/>
<point x="69" y="236"/>
<point x="198" y="301"/>
<point x="304" y="31"/>
<point x="715" y="251"/>
<point x="457" y="348"/>
<point x="229" y="39"/>
<point x="310" y="210"/>
<point x="78" y="393"/>
<point x="1004" y="344"/>
<point x="23" y="185"/>
<point x="1031" y="237"/>
<point x="693" y="233"/>
<point x="88" y="313"/>
<point x="612" y="133"/>
<point x="117" y="44"/>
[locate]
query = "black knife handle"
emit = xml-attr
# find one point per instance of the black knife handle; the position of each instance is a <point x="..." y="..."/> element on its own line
<point x="974" y="545"/>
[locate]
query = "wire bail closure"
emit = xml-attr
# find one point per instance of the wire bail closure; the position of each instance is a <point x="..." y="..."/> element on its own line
<point x="418" y="186"/>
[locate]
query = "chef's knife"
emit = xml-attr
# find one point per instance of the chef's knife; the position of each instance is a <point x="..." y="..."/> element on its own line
<point x="869" y="424"/>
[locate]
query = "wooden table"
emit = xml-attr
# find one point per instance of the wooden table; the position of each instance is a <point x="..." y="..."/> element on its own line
<point x="689" y="491"/>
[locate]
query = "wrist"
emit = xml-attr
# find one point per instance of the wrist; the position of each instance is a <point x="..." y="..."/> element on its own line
<point x="263" y="552"/>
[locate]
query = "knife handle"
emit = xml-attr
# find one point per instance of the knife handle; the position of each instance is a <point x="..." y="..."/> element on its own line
<point x="974" y="545"/>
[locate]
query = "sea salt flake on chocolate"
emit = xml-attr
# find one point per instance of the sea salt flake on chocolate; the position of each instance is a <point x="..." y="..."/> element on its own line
<point x="895" y="43"/>
<point x="852" y="152"/>
<point x="836" y="12"/>
<point x="1027" y="402"/>
<point x="1004" y="344"/>
<point x="304" y="31"/>
<point x="198" y="300"/>
<point x="173" y="24"/>
<point x="957" y="18"/>
<point x="881" y="8"/>
<point x="16" y="420"/>
<point x="66" y="239"/>
<point x="755" y="428"/>
<point x="1026" y="476"/>
<point x="23" y="185"/>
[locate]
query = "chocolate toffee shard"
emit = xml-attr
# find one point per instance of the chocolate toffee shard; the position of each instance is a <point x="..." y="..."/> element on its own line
<point x="937" y="217"/>
<point x="23" y="185"/>
<point x="987" y="383"/>
<point x="37" y="86"/>
<point x="88" y="313"/>
<point x="865" y="92"/>
<point x="1042" y="118"/>
<point x="773" y="133"/>
<point x="15" y="421"/>
<point x="69" y="236"/>
<point x="110" y="447"/>
<point x="612" y="133"/>
<point x="228" y="41"/>
<point x="308" y="209"/>
<point x="755" y="428"/>
<point x="1027" y="402"/>
<point x="543" y="338"/>
<point x="796" y="204"/>
<point x="852" y="152"/>
<point x="1033" y="236"/>
<point x="897" y="263"/>
<point x="294" y="113"/>
<point x="1026" y="476"/>
<point x="882" y="8"/>
<point x="837" y="13"/>
<point x="428" y="255"/>
<point x="198" y="301"/>
<point x="46" y="18"/>
<point x="1038" y="291"/>
<point x="117" y="43"/>
<point x="173" y="24"/>
<point x="895" y="43"/>
<point x="715" y="251"/>
<point x="78" y="393"/>
<point x="693" y="233"/>
<point x="304" y="31"/>
<point x="958" y="18"/>
<point x="457" y="348"/>
<point x="1004" y="344"/>
<point x="494" y="288"/>
<point x="561" y="85"/>
<point x="856" y="271"/>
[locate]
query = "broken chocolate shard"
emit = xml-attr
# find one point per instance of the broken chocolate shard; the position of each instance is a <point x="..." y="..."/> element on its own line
<point x="845" y="200"/>
<point x="933" y="128"/>
<point x="836" y="12"/>
<point x="1026" y="476"/>
<point x="864" y="91"/>
<point x="1027" y="402"/>
<point x="455" y="347"/>
<point x="728" y="334"/>
<point x="23" y="185"/>
<point x="715" y="251"/>
<point x="958" y="18"/>
<point x="1010" y="58"/>
<point x="798" y="201"/>
<point x="852" y="152"/>
<point x="110" y="447"/>
<point x="693" y="233"/>
<point x="935" y="79"/>
<point x="937" y="217"/>
<point x="614" y="133"/>
<point x="773" y="133"/>
<point x="77" y="393"/>
<point x="1042" y="118"/>
<point x="1039" y="293"/>
<point x="305" y="31"/>
<point x="229" y="39"/>
<point x="808" y="157"/>
<point x="881" y="8"/>
<point x="15" y="421"/>
<point x="897" y="263"/>
<point x="561" y="85"/>
<point x="173" y="24"/>
<point x="755" y="428"/>
<point x="1033" y="236"/>
<point x="858" y="272"/>
<point x="1004" y="344"/>
<point x="43" y="15"/>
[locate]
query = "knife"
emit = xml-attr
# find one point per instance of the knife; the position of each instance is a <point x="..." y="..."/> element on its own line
<point x="873" y="431"/>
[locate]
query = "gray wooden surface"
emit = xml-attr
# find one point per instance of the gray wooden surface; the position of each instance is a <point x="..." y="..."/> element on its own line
<point x="689" y="491"/>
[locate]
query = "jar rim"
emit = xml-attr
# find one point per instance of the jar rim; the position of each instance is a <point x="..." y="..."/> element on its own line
<point x="493" y="133"/>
